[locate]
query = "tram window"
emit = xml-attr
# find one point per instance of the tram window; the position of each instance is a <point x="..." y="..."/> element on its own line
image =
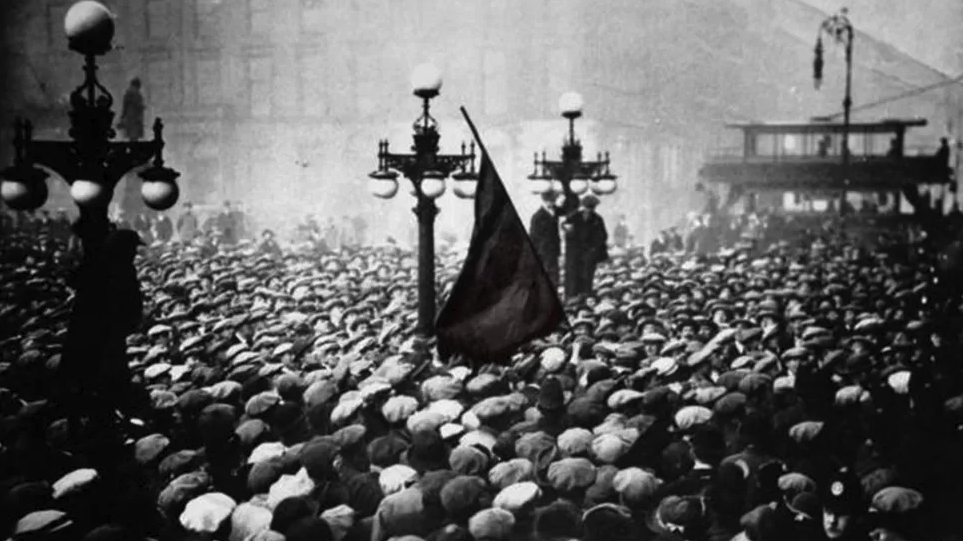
<point x="793" y="145"/>
<point x="766" y="145"/>
<point x="857" y="144"/>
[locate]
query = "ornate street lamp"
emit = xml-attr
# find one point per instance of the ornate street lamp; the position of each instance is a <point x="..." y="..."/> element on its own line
<point x="93" y="165"/>
<point x="572" y="176"/>
<point x="90" y="162"/>
<point x="427" y="171"/>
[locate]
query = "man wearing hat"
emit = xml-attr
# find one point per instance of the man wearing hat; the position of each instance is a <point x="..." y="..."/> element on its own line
<point x="268" y="245"/>
<point x="587" y="240"/>
<point x="187" y="224"/>
<point x="843" y="507"/>
<point x="544" y="233"/>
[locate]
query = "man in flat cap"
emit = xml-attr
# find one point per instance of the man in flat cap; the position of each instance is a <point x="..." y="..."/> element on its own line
<point x="545" y="236"/>
<point x="587" y="241"/>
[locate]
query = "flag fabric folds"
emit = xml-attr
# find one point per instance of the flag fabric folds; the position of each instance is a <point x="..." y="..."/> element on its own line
<point x="503" y="296"/>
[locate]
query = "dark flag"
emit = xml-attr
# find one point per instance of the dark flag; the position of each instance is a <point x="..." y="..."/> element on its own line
<point x="503" y="297"/>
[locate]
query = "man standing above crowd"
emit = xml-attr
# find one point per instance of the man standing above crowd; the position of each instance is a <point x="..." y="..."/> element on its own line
<point x="360" y="230"/>
<point x="545" y="236"/>
<point x="621" y="234"/>
<point x="187" y="224"/>
<point x="239" y="218"/>
<point x="163" y="228"/>
<point x="587" y="240"/>
<point x="225" y="225"/>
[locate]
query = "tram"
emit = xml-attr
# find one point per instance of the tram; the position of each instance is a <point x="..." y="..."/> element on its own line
<point x="800" y="166"/>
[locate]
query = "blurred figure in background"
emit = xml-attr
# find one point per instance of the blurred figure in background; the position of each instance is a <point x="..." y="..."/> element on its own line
<point x="225" y="224"/>
<point x="621" y="234"/>
<point x="240" y="219"/>
<point x="545" y="235"/>
<point x="269" y="245"/>
<point x="330" y="234"/>
<point x="187" y="224"/>
<point x="132" y="113"/>
<point x="360" y="230"/>
<point x="346" y="233"/>
<point x="142" y="225"/>
<point x="163" y="228"/>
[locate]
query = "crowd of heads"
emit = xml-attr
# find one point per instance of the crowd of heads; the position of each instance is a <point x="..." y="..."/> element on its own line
<point x="802" y="389"/>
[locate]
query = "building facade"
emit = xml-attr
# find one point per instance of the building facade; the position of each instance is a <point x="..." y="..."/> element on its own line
<point x="280" y="103"/>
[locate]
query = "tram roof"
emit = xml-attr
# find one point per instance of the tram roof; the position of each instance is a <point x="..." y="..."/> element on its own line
<point x="817" y="125"/>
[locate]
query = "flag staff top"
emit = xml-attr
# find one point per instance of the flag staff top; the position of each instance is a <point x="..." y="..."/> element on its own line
<point x="427" y="171"/>
<point x="572" y="176"/>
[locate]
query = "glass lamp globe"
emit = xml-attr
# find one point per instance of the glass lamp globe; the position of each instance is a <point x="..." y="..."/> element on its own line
<point x="88" y="193"/>
<point x="570" y="104"/>
<point x="89" y="27"/>
<point x="20" y="195"/>
<point x="432" y="188"/>
<point x="426" y="81"/>
<point x="540" y="186"/>
<point x="159" y="195"/>
<point x="383" y="188"/>
<point x="558" y="187"/>
<point x="465" y="189"/>
<point x="604" y="186"/>
<point x="578" y="186"/>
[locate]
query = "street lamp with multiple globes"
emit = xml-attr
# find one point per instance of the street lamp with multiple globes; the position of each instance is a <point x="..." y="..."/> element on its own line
<point x="93" y="165"/>
<point x="90" y="162"/>
<point x="572" y="176"/>
<point x="427" y="171"/>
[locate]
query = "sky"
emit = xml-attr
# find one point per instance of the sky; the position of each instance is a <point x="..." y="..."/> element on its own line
<point x="930" y="30"/>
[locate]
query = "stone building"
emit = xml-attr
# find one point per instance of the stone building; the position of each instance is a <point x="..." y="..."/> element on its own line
<point x="280" y="103"/>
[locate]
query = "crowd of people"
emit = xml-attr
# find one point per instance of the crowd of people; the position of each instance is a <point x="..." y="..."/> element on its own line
<point x="800" y="386"/>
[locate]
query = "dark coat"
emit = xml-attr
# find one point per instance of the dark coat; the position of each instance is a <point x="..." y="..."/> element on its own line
<point x="164" y="228"/>
<point x="544" y="233"/>
<point x="588" y="238"/>
<point x="132" y="114"/>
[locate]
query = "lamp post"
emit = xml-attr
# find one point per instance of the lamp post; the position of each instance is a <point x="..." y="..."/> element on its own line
<point x="93" y="165"/>
<point x="90" y="162"/>
<point x="841" y="30"/>
<point x="571" y="176"/>
<point x="427" y="171"/>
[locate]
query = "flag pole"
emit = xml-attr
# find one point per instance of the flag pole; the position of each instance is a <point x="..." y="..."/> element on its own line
<point x="528" y="239"/>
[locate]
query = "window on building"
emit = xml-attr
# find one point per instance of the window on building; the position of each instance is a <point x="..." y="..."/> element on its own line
<point x="159" y="25"/>
<point x="312" y="82"/>
<point x="259" y="83"/>
<point x="208" y="81"/>
<point x="313" y="18"/>
<point x="159" y="82"/>
<point x="496" y="83"/>
<point x="259" y="16"/>
<point x="207" y="19"/>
